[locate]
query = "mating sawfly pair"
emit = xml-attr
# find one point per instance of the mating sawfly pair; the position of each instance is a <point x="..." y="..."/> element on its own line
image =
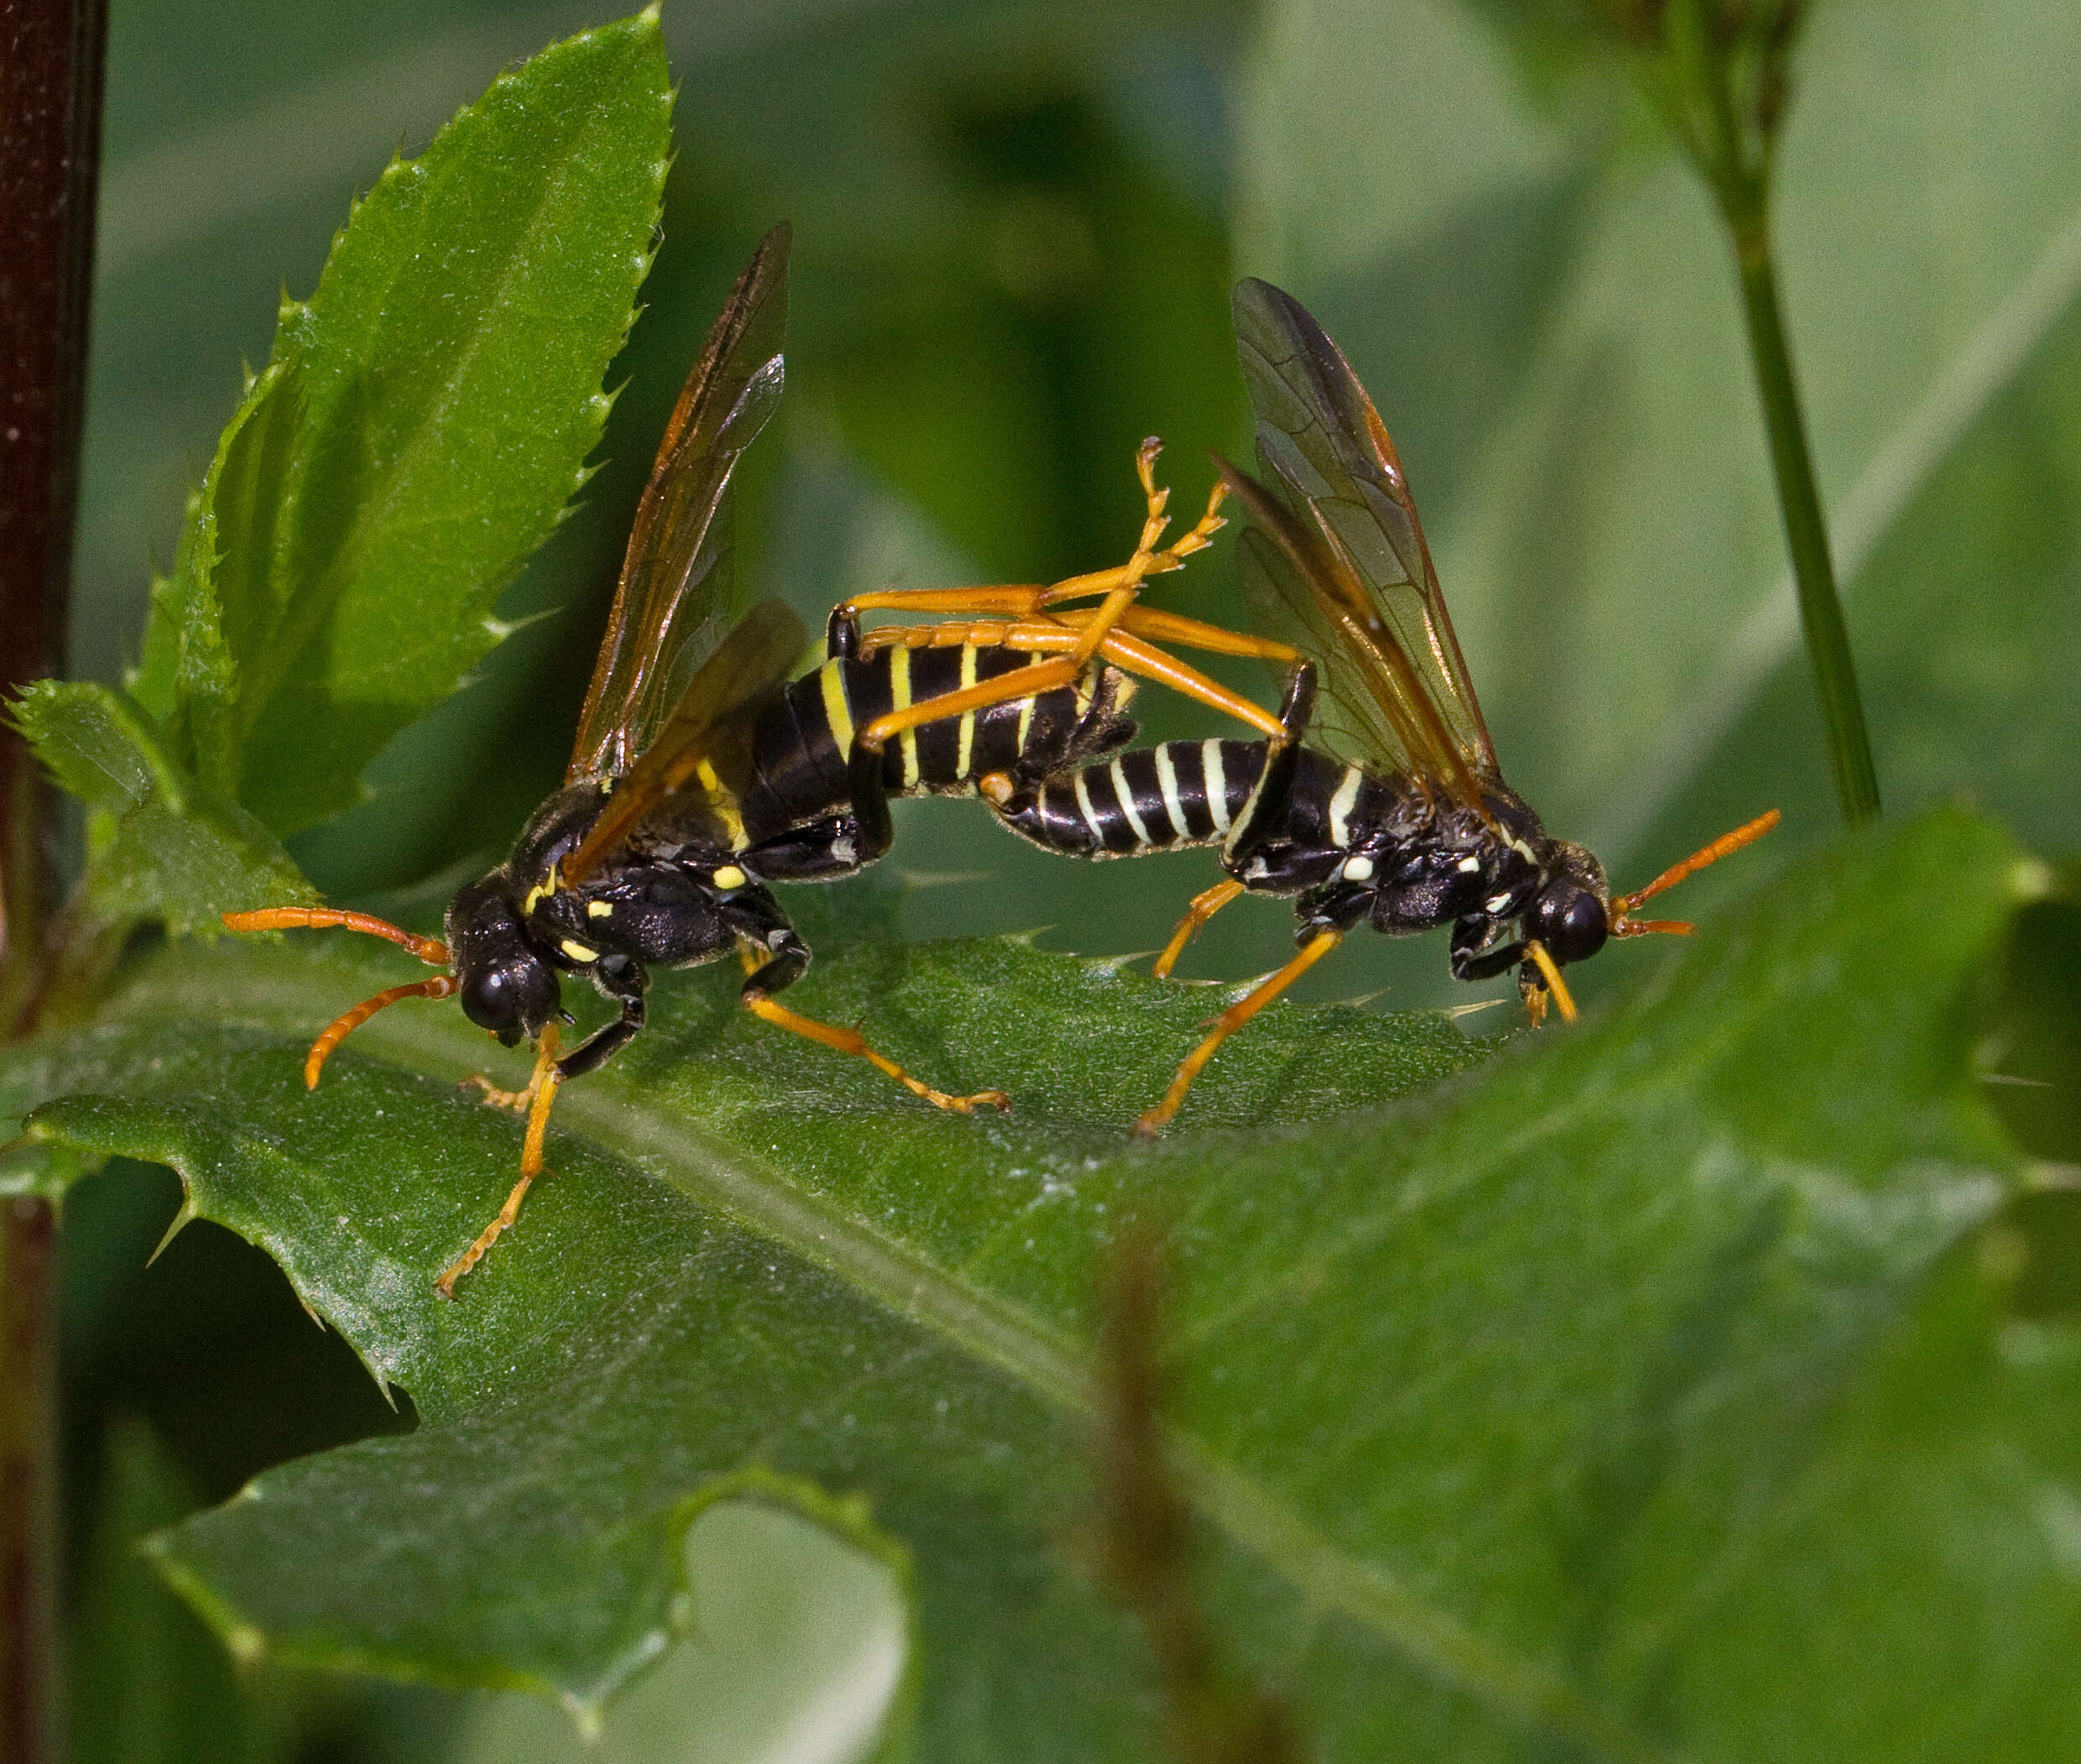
<point x="701" y="773"/>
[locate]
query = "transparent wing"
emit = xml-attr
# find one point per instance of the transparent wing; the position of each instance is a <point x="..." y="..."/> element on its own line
<point x="688" y="779"/>
<point x="672" y="601"/>
<point x="1348" y="722"/>
<point x="1341" y="549"/>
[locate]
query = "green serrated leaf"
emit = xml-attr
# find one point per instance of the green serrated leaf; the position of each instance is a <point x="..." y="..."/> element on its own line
<point x="186" y="677"/>
<point x="424" y="421"/>
<point x="160" y="844"/>
<point x="1590" y="1399"/>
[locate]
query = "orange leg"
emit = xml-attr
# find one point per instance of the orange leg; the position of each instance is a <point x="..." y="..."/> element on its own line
<point x="1535" y="996"/>
<point x="1128" y="653"/>
<point x="851" y="1041"/>
<point x="1025" y="600"/>
<point x="540" y="1098"/>
<point x="1205" y="905"/>
<point x="1226" y="1025"/>
<point x="1022" y="620"/>
<point x="519" y="1101"/>
<point x="1149" y="622"/>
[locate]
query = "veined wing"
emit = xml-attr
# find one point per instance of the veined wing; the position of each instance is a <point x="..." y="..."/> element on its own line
<point x="672" y="603"/>
<point x="1339" y="545"/>
<point x="691" y="771"/>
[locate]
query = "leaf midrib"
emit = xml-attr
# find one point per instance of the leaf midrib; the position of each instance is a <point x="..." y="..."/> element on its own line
<point x="756" y="1195"/>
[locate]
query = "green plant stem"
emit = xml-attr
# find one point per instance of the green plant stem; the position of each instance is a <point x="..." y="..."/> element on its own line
<point x="1730" y="134"/>
<point x="1806" y="530"/>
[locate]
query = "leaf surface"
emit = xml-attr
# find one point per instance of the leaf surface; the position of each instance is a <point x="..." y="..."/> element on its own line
<point x="339" y="571"/>
<point x="1588" y="1397"/>
<point x="161" y="844"/>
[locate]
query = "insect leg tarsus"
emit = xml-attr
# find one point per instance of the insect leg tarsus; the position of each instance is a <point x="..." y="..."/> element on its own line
<point x="542" y="1093"/>
<point x="781" y="959"/>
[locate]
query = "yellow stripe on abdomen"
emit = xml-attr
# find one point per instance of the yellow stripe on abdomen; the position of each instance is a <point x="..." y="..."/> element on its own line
<point x="966" y="749"/>
<point x="1217" y="785"/>
<point x="1033" y="659"/>
<point x="838" y="712"/>
<point x="899" y="700"/>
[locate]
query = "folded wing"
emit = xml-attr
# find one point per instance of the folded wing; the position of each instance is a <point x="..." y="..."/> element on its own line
<point x="1337" y="557"/>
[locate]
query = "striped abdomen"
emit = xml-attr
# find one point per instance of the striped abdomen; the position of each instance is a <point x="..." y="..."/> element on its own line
<point x="1180" y="793"/>
<point x="1199" y="793"/>
<point x="802" y="743"/>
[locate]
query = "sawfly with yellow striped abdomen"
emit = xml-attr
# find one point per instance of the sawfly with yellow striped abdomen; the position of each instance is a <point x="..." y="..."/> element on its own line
<point x="701" y="774"/>
<point x="1379" y="801"/>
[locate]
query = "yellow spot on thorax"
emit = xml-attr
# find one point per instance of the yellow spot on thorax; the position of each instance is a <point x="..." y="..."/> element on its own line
<point x="599" y="910"/>
<point x="729" y="877"/>
<point x="578" y="953"/>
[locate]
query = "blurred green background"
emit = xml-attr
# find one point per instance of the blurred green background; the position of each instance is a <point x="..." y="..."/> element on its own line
<point x="1017" y="227"/>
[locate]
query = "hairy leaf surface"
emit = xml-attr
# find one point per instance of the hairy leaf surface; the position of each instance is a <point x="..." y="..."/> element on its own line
<point x="338" y="571"/>
<point x="1588" y="1397"/>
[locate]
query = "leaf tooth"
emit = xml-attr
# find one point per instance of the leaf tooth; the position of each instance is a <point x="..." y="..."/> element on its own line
<point x="586" y="1716"/>
<point x="185" y="1216"/>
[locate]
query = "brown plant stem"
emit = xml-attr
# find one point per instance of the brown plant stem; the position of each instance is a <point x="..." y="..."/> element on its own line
<point x="1213" y="1714"/>
<point x="50" y="101"/>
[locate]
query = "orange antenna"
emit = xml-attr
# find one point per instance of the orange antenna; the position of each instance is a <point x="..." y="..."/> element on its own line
<point x="441" y="986"/>
<point x="430" y="950"/>
<point x="1623" y="924"/>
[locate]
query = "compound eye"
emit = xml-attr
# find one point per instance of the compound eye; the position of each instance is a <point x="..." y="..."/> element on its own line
<point x="512" y="999"/>
<point x="1573" y="924"/>
<point x="492" y="1001"/>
